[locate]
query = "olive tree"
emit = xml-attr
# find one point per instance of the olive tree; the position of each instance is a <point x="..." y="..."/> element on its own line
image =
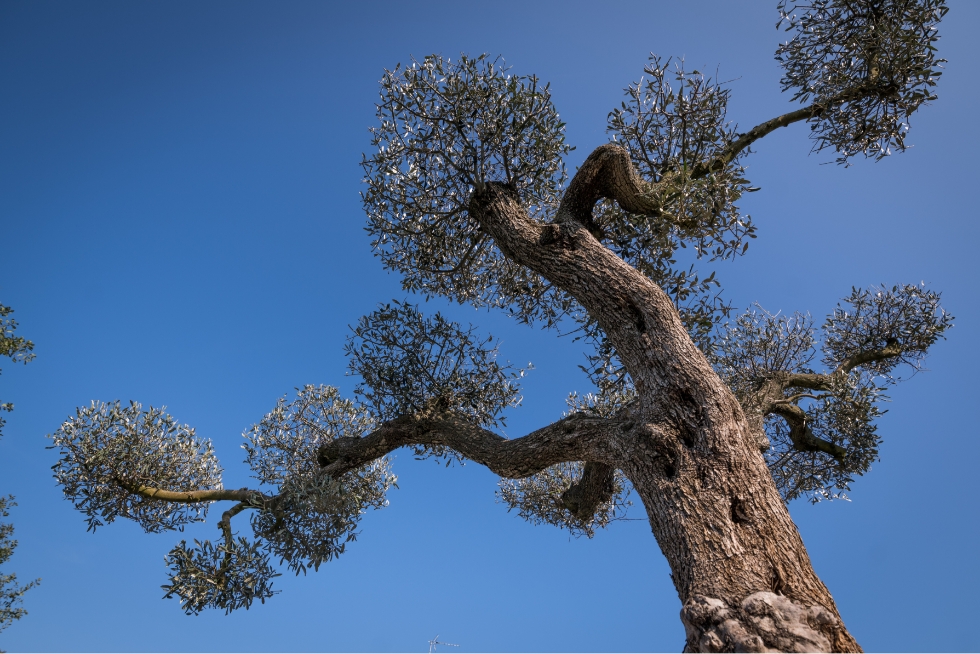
<point x="713" y="419"/>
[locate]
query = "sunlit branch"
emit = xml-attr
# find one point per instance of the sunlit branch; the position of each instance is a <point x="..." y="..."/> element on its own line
<point x="824" y="382"/>
<point x="244" y="495"/>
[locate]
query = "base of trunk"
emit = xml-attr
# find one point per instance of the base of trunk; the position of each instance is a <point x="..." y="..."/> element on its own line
<point x="764" y="622"/>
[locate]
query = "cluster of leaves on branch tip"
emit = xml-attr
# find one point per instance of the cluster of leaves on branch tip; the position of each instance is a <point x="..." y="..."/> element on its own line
<point x="312" y="516"/>
<point x="17" y="348"/>
<point x="108" y="449"/>
<point x="411" y="364"/>
<point x="907" y="318"/>
<point x="229" y="575"/>
<point x="864" y="340"/>
<point x="866" y="65"/>
<point x="446" y="129"/>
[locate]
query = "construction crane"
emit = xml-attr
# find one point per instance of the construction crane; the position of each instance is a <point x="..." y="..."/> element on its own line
<point x="435" y="641"/>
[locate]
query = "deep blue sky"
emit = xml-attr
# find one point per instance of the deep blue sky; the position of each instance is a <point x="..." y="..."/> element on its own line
<point x="181" y="226"/>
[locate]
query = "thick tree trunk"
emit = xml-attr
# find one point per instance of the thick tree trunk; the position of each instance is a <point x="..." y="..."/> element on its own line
<point x="737" y="560"/>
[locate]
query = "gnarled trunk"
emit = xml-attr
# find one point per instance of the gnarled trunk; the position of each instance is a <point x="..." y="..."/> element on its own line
<point x="737" y="560"/>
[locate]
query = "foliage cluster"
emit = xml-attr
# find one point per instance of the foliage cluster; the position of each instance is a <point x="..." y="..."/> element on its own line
<point x="230" y="575"/>
<point x="411" y="364"/>
<point x="538" y="499"/>
<point x="108" y="451"/>
<point x="446" y="128"/>
<point x="867" y="64"/>
<point x="11" y="592"/>
<point x="17" y="348"/>
<point x="312" y="516"/>
<point x="864" y="340"/>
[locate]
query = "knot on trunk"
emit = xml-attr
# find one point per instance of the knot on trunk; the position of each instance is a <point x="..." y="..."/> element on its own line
<point x="764" y="622"/>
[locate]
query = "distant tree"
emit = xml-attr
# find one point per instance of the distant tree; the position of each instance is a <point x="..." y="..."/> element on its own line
<point x="10" y="591"/>
<point x="715" y="421"/>
<point x="18" y="349"/>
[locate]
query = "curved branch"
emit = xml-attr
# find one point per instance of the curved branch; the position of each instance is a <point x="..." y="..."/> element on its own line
<point x="574" y="438"/>
<point x="800" y="434"/>
<point x="892" y="349"/>
<point x="751" y="136"/>
<point x="607" y="173"/>
<point x="823" y="382"/>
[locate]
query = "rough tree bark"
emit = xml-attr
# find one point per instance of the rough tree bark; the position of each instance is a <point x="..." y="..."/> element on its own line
<point x="738" y="563"/>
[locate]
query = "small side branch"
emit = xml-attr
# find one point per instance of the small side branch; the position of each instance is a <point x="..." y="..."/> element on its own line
<point x="800" y="434"/>
<point x="751" y="136"/>
<point x="225" y="526"/>
<point x="891" y="349"/>
<point x="244" y="495"/>
<point x="824" y="382"/>
<point x="574" y="438"/>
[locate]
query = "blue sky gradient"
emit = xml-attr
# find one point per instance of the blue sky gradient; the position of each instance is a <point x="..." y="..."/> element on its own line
<point x="181" y="226"/>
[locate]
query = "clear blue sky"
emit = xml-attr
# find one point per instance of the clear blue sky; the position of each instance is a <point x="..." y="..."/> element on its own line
<point x="181" y="226"/>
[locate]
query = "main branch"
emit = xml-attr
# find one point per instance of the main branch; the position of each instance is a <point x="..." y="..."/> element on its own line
<point x="574" y="438"/>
